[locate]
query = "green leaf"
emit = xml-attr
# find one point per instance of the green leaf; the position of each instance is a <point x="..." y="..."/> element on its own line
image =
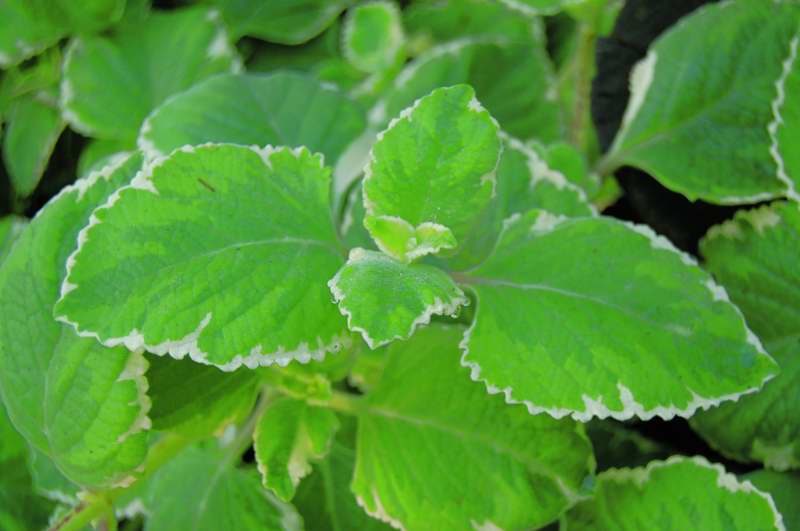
<point x="784" y="489"/>
<point x="235" y="244"/>
<point x="197" y="400"/>
<point x="373" y="36"/>
<point x="679" y="493"/>
<point x="33" y="129"/>
<point x="653" y="335"/>
<point x="49" y="481"/>
<point x="385" y="300"/>
<point x="98" y="153"/>
<point x="485" y="465"/>
<point x="700" y="103"/>
<point x="30" y="26"/>
<point x="112" y="83"/>
<point x="352" y="229"/>
<point x="755" y="257"/>
<point x="324" y="498"/>
<point x="10" y="229"/>
<point x="784" y="129"/>
<point x="83" y="405"/>
<point x="201" y="490"/>
<point x="281" y="21"/>
<point x="617" y="445"/>
<point x="289" y="435"/>
<point x="514" y="81"/>
<point x="282" y="109"/>
<point x="435" y="164"/>
<point x="534" y="8"/>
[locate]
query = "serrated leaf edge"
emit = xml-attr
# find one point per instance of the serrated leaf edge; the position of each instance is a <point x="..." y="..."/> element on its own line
<point x="774" y="125"/>
<point x="759" y="218"/>
<point x="438" y="307"/>
<point x="180" y="348"/>
<point x="135" y="370"/>
<point x="630" y="407"/>
<point x="379" y="512"/>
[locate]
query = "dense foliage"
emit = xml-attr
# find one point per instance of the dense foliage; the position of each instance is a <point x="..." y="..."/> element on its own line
<point x="350" y="265"/>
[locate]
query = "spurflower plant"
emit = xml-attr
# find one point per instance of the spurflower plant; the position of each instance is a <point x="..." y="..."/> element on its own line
<point x="356" y="265"/>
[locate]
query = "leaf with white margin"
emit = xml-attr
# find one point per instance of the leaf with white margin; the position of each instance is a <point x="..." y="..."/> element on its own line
<point x="49" y="481"/>
<point x="281" y="109"/>
<point x="280" y="21"/>
<point x="10" y="229"/>
<point x="288" y="437"/>
<point x="784" y="129"/>
<point x="533" y="8"/>
<point x="513" y="80"/>
<point x="200" y="489"/>
<point x="755" y="257"/>
<point x="373" y="39"/>
<point x="402" y="241"/>
<point x="82" y="404"/>
<point x="679" y="493"/>
<point x="197" y="400"/>
<point x="701" y="102"/>
<point x="435" y="163"/>
<point x="218" y="252"/>
<point x="30" y="26"/>
<point x="784" y="488"/>
<point x="385" y="300"/>
<point x="33" y="129"/>
<point x="111" y="83"/>
<point x="595" y="317"/>
<point x="485" y="464"/>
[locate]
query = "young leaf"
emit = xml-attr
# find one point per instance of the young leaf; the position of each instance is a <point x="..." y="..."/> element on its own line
<point x="281" y="21"/>
<point x="83" y="405"/>
<point x="784" y="489"/>
<point x="281" y="109"/>
<point x="434" y="164"/>
<point x="10" y="229"/>
<point x="784" y="129"/>
<point x="201" y="490"/>
<point x="373" y="36"/>
<point x="417" y="292"/>
<point x="196" y="400"/>
<point x="701" y="102"/>
<point x="513" y="80"/>
<point x="112" y="83"/>
<point x="679" y="493"/>
<point x="234" y="244"/>
<point x="755" y="257"/>
<point x="485" y="465"/>
<point x="289" y="435"/>
<point x="652" y="335"/>
<point x="33" y="129"/>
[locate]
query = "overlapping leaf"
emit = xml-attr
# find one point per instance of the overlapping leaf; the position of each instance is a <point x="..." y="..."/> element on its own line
<point x="10" y="229"/>
<point x="755" y="257"/>
<point x="594" y="317"/>
<point x="784" y="128"/>
<point x="227" y="254"/>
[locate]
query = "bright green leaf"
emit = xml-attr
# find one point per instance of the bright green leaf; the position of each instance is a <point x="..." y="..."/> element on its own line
<point x="434" y="451"/>
<point x="679" y="493"/>
<point x="373" y="36"/>
<point x="784" y="489"/>
<point x="533" y="8"/>
<point x="201" y="490"/>
<point x="282" y="109"/>
<point x="596" y="317"/>
<point x="700" y="103"/>
<point x="197" y="400"/>
<point x="784" y="129"/>
<point x="112" y="83"/>
<point x="417" y="292"/>
<point x="83" y="405"/>
<point x="434" y="164"/>
<point x="514" y="81"/>
<point x="10" y="229"/>
<point x="755" y="257"/>
<point x="288" y="437"/>
<point x="33" y="129"/>
<point x="404" y="242"/>
<point x="235" y="244"/>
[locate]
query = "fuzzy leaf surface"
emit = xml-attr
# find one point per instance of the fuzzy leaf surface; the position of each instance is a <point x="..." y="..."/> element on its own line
<point x="679" y="493"/>
<point x="83" y="405"/>
<point x="486" y="464"/>
<point x="755" y="257"/>
<point x="111" y="83"/>
<point x="650" y="336"/>
<point x="701" y="102"/>
<point x="235" y="244"/>
<point x="281" y="109"/>
<point x="288" y="437"/>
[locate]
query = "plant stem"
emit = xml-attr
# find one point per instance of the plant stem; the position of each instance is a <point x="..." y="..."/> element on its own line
<point x="583" y="79"/>
<point x="342" y="402"/>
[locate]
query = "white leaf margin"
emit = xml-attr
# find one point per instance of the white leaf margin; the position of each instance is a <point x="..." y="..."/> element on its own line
<point x="777" y="121"/>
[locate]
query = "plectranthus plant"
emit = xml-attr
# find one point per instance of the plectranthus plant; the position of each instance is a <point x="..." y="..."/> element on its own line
<point x="430" y="265"/>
